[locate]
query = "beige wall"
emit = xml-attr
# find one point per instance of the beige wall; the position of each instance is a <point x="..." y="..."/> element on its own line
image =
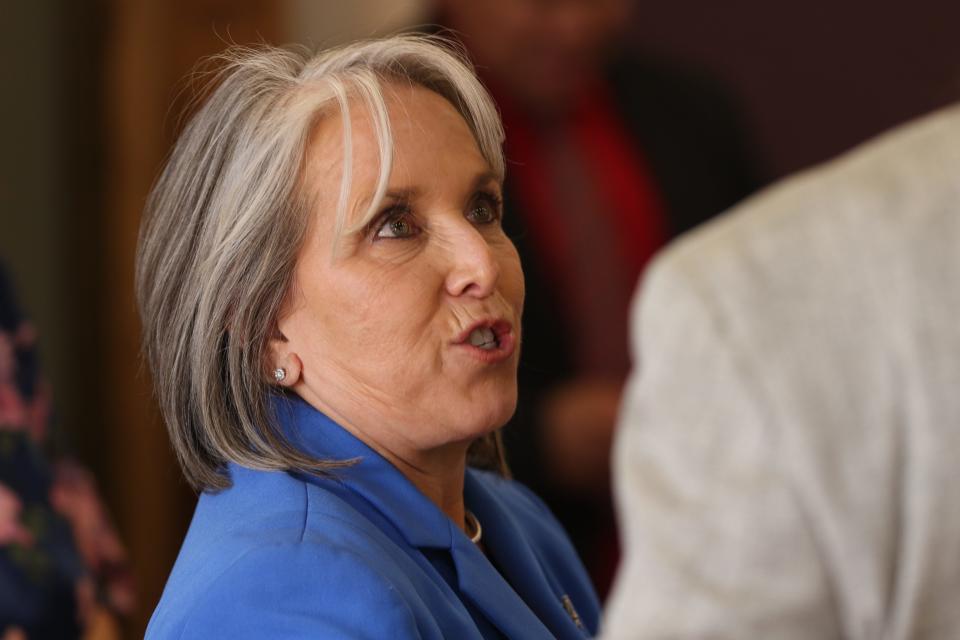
<point x="330" y="22"/>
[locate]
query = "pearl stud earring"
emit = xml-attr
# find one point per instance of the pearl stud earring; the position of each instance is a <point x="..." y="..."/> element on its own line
<point x="279" y="374"/>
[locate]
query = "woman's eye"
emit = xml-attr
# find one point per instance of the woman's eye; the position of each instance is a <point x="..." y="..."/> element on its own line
<point x="397" y="227"/>
<point x="482" y="214"/>
<point x="485" y="210"/>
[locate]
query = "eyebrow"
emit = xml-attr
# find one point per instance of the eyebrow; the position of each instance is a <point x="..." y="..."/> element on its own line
<point x="400" y="194"/>
<point x="485" y="178"/>
<point x="412" y="193"/>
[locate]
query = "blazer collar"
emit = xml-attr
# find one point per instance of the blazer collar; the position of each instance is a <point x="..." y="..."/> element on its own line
<point x="422" y="524"/>
<point x="372" y="477"/>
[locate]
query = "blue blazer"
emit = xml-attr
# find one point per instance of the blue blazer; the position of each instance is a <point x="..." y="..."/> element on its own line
<point x="365" y="554"/>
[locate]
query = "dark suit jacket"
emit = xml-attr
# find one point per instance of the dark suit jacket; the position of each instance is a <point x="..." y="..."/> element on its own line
<point x="693" y="142"/>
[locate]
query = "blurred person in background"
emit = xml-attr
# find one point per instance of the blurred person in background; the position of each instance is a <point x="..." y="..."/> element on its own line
<point x="612" y="152"/>
<point x="786" y="464"/>
<point x="331" y="314"/>
<point x="63" y="570"/>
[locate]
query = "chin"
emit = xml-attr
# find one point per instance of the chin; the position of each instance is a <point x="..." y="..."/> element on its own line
<point x="496" y="415"/>
<point x="468" y="411"/>
<point x="475" y="419"/>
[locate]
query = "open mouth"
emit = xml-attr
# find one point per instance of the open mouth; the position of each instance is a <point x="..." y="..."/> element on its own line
<point x="484" y="338"/>
<point x="491" y="340"/>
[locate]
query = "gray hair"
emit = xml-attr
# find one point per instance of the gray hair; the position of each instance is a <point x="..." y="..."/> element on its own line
<point x="226" y="219"/>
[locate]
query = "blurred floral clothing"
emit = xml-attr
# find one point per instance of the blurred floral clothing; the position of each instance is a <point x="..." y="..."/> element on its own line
<point x="60" y="559"/>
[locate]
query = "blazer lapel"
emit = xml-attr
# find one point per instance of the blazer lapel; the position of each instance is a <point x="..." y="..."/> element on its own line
<point x="519" y="562"/>
<point x="480" y="582"/>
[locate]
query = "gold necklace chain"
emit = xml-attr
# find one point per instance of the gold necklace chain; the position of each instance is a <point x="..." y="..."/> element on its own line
<point x="474" y="525"/>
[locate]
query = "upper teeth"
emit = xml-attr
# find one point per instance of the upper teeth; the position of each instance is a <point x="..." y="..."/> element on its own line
<point x="483" y="337"/>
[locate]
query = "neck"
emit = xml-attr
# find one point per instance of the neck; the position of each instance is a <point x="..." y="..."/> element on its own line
<point x="439" y="475"/>
<point x="437" y="472"/>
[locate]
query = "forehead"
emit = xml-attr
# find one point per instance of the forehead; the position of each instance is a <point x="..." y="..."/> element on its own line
<point x="431" y="141"/>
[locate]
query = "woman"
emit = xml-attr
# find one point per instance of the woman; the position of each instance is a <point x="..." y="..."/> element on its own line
<point x="331" y="313"/>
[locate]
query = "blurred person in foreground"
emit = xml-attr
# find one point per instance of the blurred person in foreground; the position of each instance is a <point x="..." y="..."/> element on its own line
<point x="786" y="465"/>
<point x="63" y="570"/>
<point x="332" y="317"/>
<point x="612" y="152"/>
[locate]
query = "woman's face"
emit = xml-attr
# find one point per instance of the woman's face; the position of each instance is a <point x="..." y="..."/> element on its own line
<point x="409" y="335"/>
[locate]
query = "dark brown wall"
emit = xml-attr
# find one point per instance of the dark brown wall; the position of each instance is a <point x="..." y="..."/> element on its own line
<point x="150" y="46"/>
<point x="816" y="77"/>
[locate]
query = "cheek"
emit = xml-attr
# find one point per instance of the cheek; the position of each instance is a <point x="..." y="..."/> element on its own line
<point x="387" y="313"/>
<point x="511" y="278"/>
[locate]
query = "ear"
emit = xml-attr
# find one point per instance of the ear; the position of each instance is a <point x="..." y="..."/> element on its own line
<point x="282" y="356"/>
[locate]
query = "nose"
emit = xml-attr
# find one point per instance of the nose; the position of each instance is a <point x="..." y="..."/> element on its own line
<point x="474" y="269"/>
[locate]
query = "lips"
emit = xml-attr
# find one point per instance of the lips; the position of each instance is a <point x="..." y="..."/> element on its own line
<point x="489" y="340"/>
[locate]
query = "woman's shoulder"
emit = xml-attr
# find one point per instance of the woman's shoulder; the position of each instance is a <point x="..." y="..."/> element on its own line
<point x="271" y="547"/>
<point x="289" y="588"/>
<point x="276" y="509"/>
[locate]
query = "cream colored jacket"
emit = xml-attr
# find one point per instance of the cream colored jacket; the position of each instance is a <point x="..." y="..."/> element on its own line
<point x="788" y="459"/>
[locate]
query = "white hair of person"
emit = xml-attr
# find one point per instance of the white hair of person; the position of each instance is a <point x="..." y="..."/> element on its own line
<point x="226" y="219"/>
